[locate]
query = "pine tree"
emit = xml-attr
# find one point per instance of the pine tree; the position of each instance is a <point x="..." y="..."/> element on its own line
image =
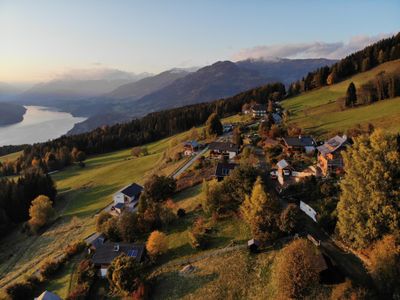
<point x="369" y="204"/>
<point x="213" y="125"/>
<point x="261" y="213"/>
<point x="351" y="95"/>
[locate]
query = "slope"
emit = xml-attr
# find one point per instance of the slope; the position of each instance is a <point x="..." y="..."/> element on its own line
<point x="318" y="113"/>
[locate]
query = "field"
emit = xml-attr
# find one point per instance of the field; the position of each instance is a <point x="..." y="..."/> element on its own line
<point x="318" y="113"/>
<point x="10" y="157"/>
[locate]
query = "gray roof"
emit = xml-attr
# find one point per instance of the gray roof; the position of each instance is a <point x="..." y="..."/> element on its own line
<point x="46" y="295"/>
<point x="300" y="141"/>
<point x="223" y="169"/>
<point x="106" y="254"/>
<point x="132" y="190"/>
<point x="333" y="144"/>
<point x="224" y="146"/>
<point x="119" y="205"/>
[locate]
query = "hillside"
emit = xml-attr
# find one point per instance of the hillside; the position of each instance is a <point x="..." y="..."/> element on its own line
<point x="11" y="113"/>
<point x="318" y="113"/>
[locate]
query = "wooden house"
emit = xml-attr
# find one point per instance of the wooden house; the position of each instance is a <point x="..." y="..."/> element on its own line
<point x="329" y="155"/>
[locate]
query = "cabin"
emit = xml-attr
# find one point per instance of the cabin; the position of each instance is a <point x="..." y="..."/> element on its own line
<point x="223" y="150"/>
<point x="299" y="144"/>
<point x="128" y="196"/>
<point x="191" y="147"/>
<point x="46" y="295"/>
<point x="329" y="155"/>
<point x="223" y="169"/>
<point x="259" y="110"/>
<point x="104" y="255"/>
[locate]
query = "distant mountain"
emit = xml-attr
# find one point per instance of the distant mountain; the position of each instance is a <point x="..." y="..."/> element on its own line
<point x="285" y="70"/>
<point x="135" y="90"/>
<point x="218" y="80"/>
<point x="8" y="92"/>
<point x="11" y="113"/>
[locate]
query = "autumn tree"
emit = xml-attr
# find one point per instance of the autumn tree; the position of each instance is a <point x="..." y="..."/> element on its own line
<point x="124" y="274"/>
<point x="261" y="212"/>
<point x="214" y="125"/>
<point x="385" y="266"/>
<point x="369" y="204"/>
<point x="128" y="226"/>
<point x="40" y="212"/>
<point x="351" y="95"/>
<point x="157" y="243"/>
<point x="296" y="270"/>
<point x="332" y="77"/>
<point x="347" y="290"/>
<point x="159" y="187"/>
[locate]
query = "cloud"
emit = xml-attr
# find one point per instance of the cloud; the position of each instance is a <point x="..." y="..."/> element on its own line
<point x="334" y="50"/>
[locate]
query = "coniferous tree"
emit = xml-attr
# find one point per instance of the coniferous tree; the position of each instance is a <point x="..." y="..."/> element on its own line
<point x="214" y="125"/>
<point x="351" y="95"/>
<point x="369" y="204"/>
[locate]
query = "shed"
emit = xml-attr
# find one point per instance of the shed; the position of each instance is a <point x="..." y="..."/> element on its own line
<point x="253" y="245"/>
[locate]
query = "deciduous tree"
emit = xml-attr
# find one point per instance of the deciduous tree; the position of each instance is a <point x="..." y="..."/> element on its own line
<point x="40" y="212"/>
<point x="157" y="243"/>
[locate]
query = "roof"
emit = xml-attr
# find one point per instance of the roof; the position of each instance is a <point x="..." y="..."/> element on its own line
<point x="106" y="254"/>
<point x="259" y="107"/>
<point x="277" y="118"/>
<point x="95" y="240"/>
<point x="119" y="205"/>
<point x="193" y="144"/>
<point x="132" y="190"/>
<point x="224" y="146"/>
<point x="333" y="144"/>
<point x="46" y="295"/>
<point x="223" y="169"/>
<point x="299" y="141"/>
<point x="253" y="242"/>
<point x="282" y="164"/>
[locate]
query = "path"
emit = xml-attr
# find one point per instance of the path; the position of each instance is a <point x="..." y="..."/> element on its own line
<point x="189" y="163"/>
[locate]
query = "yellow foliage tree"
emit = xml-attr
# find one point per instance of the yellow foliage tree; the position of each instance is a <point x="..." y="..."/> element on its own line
<point x="157" y="243"/>
<point x="40" y="212"/>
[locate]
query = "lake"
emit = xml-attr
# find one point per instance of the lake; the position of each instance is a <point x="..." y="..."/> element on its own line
<point x="40" y="124"/>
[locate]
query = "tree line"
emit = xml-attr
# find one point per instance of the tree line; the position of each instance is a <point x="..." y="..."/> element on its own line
<point x="361" y="61"/>
<point x="57" y="153"/>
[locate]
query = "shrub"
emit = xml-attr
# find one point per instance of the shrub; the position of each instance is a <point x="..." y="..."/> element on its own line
<point x="50" y="267"/>
<point x="75" y="248"/>
<point x="157" y="243"/>
<point x="198" y="235"/>
<point x="21" y="290"/>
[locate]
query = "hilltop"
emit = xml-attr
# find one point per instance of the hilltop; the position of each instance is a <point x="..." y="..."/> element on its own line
<point x="318" y="112"/>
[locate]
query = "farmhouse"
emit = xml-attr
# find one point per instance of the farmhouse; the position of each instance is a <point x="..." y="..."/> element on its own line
<point x="128" y="196"/>
<point x="106" y="254"/>
<point x="223" y="169"/>
<point x="329" y="157"/>
<point x="259" y="110"/>
<point x="299" y="144"/>
<point x="191" y="147"/>
<point x="223" y="150"/>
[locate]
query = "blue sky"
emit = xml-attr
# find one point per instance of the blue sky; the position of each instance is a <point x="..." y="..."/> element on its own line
<point x="43" y="38"/>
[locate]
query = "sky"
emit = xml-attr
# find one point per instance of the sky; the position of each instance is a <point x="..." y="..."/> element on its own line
<point x="43" y="39"/>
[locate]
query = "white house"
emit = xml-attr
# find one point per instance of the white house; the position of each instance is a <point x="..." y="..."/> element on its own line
<point x="223" y="150"/>
<point x="129" y="195"/>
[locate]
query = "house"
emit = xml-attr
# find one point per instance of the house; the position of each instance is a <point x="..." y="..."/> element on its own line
<point x="223" y="150"/>
<point x="104" y="255"/>
<point x="95" y="241"/>
<point x="46" y="295"/>
<point x="299" y="144"/>
<point x="223" y="169"/>
<point x="190" y="148"/>
<point x="284" y="171"/>
<point x="259" y="110"/>
<point x="128" y="196"/>
<point x="329" y="157"/>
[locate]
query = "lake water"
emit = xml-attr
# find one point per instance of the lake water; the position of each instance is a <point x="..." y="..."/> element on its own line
<point x="40" y="124"/>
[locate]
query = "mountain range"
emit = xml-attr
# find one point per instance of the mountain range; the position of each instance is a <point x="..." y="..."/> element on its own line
<point x="106" y="100"/>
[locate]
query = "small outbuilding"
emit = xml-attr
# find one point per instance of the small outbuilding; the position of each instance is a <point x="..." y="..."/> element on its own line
<point x="129" y="195"/>
<point x="253" y="245"/>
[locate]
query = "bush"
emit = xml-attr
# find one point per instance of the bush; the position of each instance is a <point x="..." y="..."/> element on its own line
<point x="50" y="267"/>
<point x="181" y="213"/>
<point x="21" y="290"/>
<point x="198" y="235"/>
<point x="75" y="248"/>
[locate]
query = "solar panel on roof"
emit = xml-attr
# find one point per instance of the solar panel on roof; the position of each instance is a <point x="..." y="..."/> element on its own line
<point x="133" y="253"/>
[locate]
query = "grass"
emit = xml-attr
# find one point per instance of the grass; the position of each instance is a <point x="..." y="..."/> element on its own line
<point x="10" y="157"/>
<point x="318" y="113"/>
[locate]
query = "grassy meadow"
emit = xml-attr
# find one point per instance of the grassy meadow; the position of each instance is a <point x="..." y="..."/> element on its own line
<point x="318" y="113"/>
